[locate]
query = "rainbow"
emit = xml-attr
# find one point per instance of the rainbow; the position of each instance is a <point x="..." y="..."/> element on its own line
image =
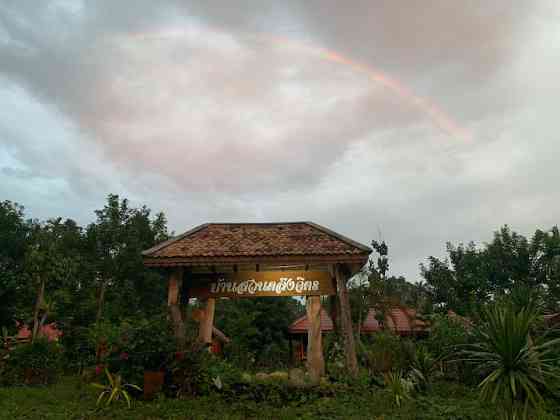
<point x="440" y="118"/>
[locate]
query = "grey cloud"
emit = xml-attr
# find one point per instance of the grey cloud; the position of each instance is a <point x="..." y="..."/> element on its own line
<point x="209" y="111"/>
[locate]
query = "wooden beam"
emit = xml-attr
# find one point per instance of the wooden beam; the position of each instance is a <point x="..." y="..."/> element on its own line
<point x="346" y="321"/>
<point x="207" y="322"/>
<point x="264" y="260"/>
<point x="315" y="361"/>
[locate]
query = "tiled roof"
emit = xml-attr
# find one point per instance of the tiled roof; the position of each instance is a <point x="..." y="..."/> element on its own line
<point x="214" y="240"/>
<point x="301" y="325"/>
<point x="400" y="320"/>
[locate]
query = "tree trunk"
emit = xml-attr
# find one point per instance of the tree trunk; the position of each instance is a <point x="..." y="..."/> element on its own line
<point x="38" y="304"/>
<point x="346" y="322"/>
<point x="315" y="361"/>
<point x="175" y="283"/>
<point x="207" y="322"/>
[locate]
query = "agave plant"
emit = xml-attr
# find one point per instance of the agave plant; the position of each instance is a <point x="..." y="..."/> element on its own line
<point x="399" y="386"/>
<point x="517" y="367"/>
<point x="424" y="368"/>
<point x="115" y="390"/>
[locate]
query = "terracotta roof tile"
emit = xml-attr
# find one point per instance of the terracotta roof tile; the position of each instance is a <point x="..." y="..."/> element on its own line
<point x="401" y="320"/>
<point x="301" y="325"/>
<point x="257" y="239"/>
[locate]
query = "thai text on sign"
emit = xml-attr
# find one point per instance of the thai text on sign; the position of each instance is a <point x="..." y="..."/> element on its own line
<point x="253" y="284"/>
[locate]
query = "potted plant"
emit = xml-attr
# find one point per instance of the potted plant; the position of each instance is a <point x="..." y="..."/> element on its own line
<point x="150" y="347"/>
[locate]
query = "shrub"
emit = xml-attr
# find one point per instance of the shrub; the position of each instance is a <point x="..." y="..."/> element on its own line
<point x="335" y="359"/>
<point x="387" y="352"/>
<point x="37" y="362"/>
<point x="145" y="344"/>
<point x="190" y="374"/>
<point x="448" y="336"/>
<point x="424" y="368"/>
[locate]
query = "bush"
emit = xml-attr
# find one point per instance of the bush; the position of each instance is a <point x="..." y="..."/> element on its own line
<point x="335" y="359"/>
<point x="386" y="352"/>
<point x="447" y="338"/>
<point x="424" y="368"/>
<point x="37" y="362"/>
<point x="190" y="373"/>
<point x="133" y="346"/>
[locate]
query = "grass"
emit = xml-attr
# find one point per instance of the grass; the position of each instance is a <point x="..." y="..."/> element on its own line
<point x="70" y="399"/>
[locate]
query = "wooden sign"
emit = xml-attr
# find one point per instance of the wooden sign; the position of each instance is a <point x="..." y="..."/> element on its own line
<point x="266" y="283"/>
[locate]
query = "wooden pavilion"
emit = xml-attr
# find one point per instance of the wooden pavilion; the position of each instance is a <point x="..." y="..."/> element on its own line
<point x="240" y="260"/>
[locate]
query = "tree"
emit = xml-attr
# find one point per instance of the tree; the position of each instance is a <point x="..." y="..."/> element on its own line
<point x="45" y="263"/>
<point x="471" y="276"/>
<point x="373" y="288"/>
<point x="115" y="242"/>
<point x="545" y="259"/>
<point x="14" y="235"/>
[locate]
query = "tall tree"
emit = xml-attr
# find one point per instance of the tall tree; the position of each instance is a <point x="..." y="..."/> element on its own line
<point x="14" y="235"/>
<point x="471" y="276"/>
<point x="46" y="264"/>
<point x="116" y="240"/>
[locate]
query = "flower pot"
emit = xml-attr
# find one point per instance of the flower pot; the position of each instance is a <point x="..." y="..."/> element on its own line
<point x="35" y="376"/>
<point x="153" y="382"/>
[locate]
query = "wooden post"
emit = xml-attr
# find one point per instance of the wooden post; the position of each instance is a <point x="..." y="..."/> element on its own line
<point x="175" y="282"/>
<point x="207" y="322"/>
<point x="346" y="322"/>
<point x="315" y="361"/>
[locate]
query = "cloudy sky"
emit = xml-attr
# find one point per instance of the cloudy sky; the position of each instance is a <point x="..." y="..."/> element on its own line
<point x="415" y="121"/>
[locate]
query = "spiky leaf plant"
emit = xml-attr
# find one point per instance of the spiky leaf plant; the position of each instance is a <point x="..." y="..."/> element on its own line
<point x="399" y="387"/>
<point x="424" y="368"/>
<point x="115" y="390"/>
<point x="518" y="368"/>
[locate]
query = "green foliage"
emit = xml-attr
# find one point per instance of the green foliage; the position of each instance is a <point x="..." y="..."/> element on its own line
<point x="190" y="371"/>
<point x="42" y="358"/>
<point x="518" y="368"/>
<point x="41" y="354"/>
<point x="14" y="232"/>
<point x="114" y="244"/>
<point x="399" y="387"/>
<point x="335" y="358"/>
<point x="148" y="341"/>
<point x="387" y="351"/>
<point x="259" y="327"/>
<point x="446" y="401"/>
<point x="472" y="276"/>
<point x="424" y="368"/>
<point x="115" y="390"/>
<point x="373" y="288"/>
<point x="447" y="334"/>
